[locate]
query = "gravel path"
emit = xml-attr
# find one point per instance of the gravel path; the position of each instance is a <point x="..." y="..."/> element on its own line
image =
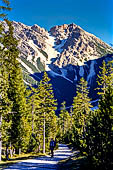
<point x="45" y="162"/>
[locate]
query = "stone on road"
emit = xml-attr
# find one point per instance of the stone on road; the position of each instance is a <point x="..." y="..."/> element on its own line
<point x="45" y="162"/>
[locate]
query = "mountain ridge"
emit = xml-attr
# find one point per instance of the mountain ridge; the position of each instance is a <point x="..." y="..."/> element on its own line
<point x="66" y="52"/>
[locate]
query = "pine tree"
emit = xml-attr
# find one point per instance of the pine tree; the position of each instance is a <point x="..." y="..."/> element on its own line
<point x="110" y="73"/>
<point x="35" y="120"/>
<point x="106" y="130"/>
<point x="81" y="110"/>
<point x="45" y="117"/>
<point x="93" y="140"/>
<point x="64" y="122"/>
<point x="16" y="90"/>
<point x="5" y="104"/>
<point x="99" y="137"/>
<point x="103" y="80"/>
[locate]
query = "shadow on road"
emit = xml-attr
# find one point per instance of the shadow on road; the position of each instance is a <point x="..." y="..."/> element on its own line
<point x="44" y="162"/>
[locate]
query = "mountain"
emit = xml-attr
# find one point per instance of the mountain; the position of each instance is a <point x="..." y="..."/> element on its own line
<point x="66" y="52"/>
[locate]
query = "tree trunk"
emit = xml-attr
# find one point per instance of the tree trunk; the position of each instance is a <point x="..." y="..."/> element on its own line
<point x="0" y="137"/>
<point x="39" y="148"/>
<point x="32" y="118"/>
<point x="11" y="152"/>
<point x="44" y="136"/>
<point x="19" y="151"/>
<point x="7" y="154"/>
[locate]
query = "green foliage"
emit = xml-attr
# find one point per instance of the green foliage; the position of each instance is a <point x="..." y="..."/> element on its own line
<point x="16" y="89"/>
<point x="47" y="107"/>
<point x="26" y="116"/>
<point x="64" y="123"/>
<point x="4" y="7"/>
<point x="103" y="80"/>
<point x="42" y="109"/>
<point x="100" y="133"/>
<point x="92" y="131"/>
<point x="105" y="77"/>
<point x="81" y="110"/>
<point x="5" y="103"/>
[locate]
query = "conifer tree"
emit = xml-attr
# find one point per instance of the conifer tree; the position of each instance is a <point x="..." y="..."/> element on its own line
<point x="93" y="139"/>
<point x="5" y="104"/>
<point x="102" y="79"/>
<point x="110" y="73"/>
<point x="106" y="130"/>
<point x="81" y="109"/>
<point x="16" y="90"/>
<point x="35" y="120"/>
<point x="64" y="122"/>
<point x="99" y="137"/>
<point x="46" y="109"/>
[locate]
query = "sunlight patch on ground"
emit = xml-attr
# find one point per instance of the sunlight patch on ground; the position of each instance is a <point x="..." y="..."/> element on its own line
<point x="43" y="161"/>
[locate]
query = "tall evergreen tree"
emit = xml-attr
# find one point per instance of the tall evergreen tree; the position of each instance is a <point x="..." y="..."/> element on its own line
<point x="106" y="130"/>
<point x="36" y="121"/>
<point x="46" y="109"/>
<point x="5" y="107"/>
<point x="16" y="90"/>
<point x="102" y="79"/>
<point x="81" y="110"/>
<point x="4" y="101"/>
<point x="99" y="138"/>
<point x="64" y="122"/>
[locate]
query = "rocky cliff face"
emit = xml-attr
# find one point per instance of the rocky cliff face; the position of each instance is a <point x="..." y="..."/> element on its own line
<point x="78" y="46"/>
<point x="67" y="52"/>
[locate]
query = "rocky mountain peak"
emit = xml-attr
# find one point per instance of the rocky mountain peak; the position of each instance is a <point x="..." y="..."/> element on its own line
<point x="38" y="29"/>
<point x="67" y="52"/>
<point x="63" y="45"/>
<point x="77" y="45"/>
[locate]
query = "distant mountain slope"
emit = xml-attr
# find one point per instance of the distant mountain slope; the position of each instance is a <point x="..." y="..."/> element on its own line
<point x="66" y="52"/>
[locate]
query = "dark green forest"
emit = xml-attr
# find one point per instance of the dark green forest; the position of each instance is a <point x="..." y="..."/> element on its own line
<point x="27" y="115"/>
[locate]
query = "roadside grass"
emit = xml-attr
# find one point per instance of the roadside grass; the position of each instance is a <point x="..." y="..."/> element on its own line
<point x="18" y="158"/>
<point x="76" y="162"/>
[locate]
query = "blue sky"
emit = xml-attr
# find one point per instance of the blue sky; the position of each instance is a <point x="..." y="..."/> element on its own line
<point x="95" y="16"/>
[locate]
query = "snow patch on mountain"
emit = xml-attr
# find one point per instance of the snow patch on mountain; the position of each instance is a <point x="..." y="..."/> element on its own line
<point x="50" y="50"/>
<point x="81" y="71"/>
<point x="64" y="72"/>
<point x="26" y="83"/>
<point x="75" y="79"/>
<point x="53" y="74"/>
<point x="39" y="54"/>
<point x="91" y="72"/>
